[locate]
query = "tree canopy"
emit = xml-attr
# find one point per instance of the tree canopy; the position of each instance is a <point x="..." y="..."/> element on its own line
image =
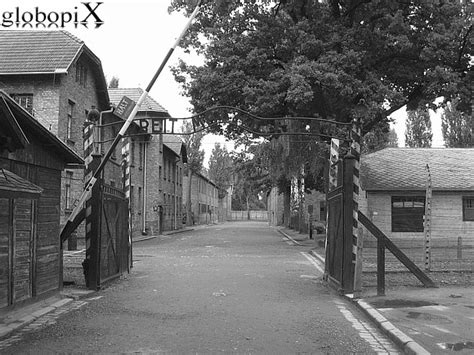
<point x="418" y="132"/>
<point x="457" y="127"/>
<point x="324" y="58"/>
<point x="193" y="147"/>
<point x="221" y="168"/>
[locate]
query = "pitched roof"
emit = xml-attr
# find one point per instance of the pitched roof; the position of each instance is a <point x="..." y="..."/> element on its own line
<point x="177" y="145"/>
<point x="38" y="52"/>
<point x="25" y="52"/>
<point x="149" y="104"/>
<point x="33" y="130"/>
<point x="13" y="186"/>
<point x="404" y="169"/>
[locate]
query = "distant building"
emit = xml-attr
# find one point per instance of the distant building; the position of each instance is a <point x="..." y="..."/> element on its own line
<point x="203" y="197"/>
<point x="174" y="158"/>
<point x="394" y="184"/>
<point x="156" y="169"/>
<point x="32" y="160"/>
<point x="58" y="80"/>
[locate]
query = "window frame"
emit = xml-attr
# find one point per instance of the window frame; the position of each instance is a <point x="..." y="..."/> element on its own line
<point x="413" y="215"/>
<point x="468" y="200"/>
<point x="70" y="117"/>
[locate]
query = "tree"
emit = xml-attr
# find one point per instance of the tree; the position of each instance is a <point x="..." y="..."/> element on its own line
<point x="114" y="83"/>
<point x="195" y="161"/>
<point x="379" y="138"/>
<point x="457" y="127"/>
<point x="221" y="168"/>
<point x="251" y="179"/>
<point x="323" y="59"/>
<point x="418" y="132"/>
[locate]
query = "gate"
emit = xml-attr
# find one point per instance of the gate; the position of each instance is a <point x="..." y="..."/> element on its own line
<point x="340" y="263"/>
<point x="335" y="236"/>
<point x="114" y="233"/>
<point x="108" y="250"/>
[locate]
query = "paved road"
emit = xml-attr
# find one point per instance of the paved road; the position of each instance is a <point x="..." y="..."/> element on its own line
<point x="230" y="288"/>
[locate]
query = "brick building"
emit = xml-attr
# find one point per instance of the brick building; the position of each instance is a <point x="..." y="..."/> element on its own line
<point x="58" y="80"/>
<point x="156" y="169"/>
<point x="394" y="183"/>
<point x="31" y="162"/>
<point x="203" y="196"/>
<point x="174" y="158"/>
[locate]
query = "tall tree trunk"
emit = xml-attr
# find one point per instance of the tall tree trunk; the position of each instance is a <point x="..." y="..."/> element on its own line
<point x="189" y="205"/>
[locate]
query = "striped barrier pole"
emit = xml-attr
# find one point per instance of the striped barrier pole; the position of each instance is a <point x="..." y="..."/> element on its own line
<point x="356" y="137"/>
<point x="126" y="188"/>
<point x="90" y="165"/>
<point x="333" y="167"/>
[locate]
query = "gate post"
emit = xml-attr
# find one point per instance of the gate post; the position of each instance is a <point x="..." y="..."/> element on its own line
<point x="356" y="136"/>
<point x="348" y="265"/>
<point x="126" y="159"/>
<point x="93" y="215"/>
<point x="90" y="264"/>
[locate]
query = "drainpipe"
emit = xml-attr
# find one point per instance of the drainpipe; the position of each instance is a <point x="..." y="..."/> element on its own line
<point x="145" y="146"/>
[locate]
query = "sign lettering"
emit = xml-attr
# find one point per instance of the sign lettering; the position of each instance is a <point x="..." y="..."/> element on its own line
<point x="124" y="108"/>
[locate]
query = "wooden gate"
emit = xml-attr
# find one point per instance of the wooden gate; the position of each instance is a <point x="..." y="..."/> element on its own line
<point x="335" y="236"/>
<point x="340" y="263"/>
<point x="108" y="252"/>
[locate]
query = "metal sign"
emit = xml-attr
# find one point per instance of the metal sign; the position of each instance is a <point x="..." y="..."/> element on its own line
<point x="124" y="108"/>
<point x="150" y="125"/>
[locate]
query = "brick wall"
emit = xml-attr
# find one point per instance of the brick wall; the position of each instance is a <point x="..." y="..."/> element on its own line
<point x="203" y="193"/>
<point x="51" y="97"/>
<point x="446" y="221"/>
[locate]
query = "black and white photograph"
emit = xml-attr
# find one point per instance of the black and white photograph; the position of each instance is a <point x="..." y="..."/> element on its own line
<point x="236" y="177"/>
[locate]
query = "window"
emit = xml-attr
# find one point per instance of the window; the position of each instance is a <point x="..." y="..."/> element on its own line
<point x="408" y="213"/>
<point x="24" y="100"/>
<point x="132" y="153"/>
<point x="81" y="74"/>
<point x="468" y="208"/>
<point x="140" y="155"/>
<point x="67" y="193"/>
<point x="165" y="163"/>
<point x="139" y="200"/>
<point x="70" y="116"/>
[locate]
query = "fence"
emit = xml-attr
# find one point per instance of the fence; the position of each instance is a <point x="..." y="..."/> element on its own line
<point x="248" y="216"/>
<point x="447" y="254"/>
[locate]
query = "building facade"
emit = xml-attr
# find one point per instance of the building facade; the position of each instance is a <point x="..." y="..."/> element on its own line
<point x="58" y="80"/>
<point x="174" y="158"/>
<point x="395" y="184"/>
<point x="202" y="195"/>
<point x="157" y="164"/>
<point x="32" y="160"/>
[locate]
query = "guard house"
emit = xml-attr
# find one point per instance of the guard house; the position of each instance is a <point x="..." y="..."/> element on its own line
<point x="31" y="162"/>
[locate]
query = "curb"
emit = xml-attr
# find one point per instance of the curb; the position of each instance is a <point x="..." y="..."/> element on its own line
<point x="407" y="344"/>
<point x="177" y="231"/>
<point x="287" y="236"/>
<point x="7" y="329"/>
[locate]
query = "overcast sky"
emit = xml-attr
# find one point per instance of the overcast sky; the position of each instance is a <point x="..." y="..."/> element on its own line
<point x="131" y="44"/>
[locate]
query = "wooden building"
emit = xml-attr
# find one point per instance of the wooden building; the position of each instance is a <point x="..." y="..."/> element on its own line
<point x="31" y="162"/>
<point x="58" y="80"/>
